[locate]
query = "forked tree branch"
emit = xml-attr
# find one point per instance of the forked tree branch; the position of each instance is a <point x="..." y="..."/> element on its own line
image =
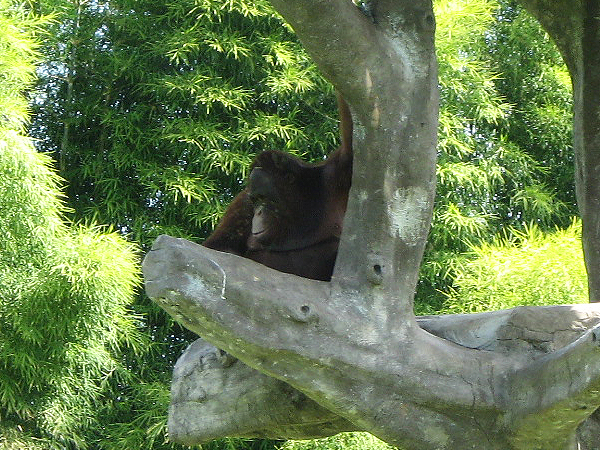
<point x="353" y="346"/>
<point x="352" y="368"/>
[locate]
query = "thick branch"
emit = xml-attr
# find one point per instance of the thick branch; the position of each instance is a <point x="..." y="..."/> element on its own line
<point x="573" y="371"/>
<point x="328" y="29"/>
<point x="257" y="315"/>
<point x="215" y="395"/>
<point x="358" y="374"/>
<point x="355" y="370"/>
<point x="562" y="388"/>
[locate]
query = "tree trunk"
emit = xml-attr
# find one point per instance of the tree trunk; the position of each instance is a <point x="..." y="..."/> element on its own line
<point x="349" y="354"/>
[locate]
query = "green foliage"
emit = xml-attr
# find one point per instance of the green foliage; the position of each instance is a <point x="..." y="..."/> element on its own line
<point x="505" y="154"/>
<point x="17" y="58"/>
<point x="29" y="201"/>
<point x="64" y="306"/>
<point x="488" y="177"/>
<point x="535" y="79"/>
<point x="154" y="110"/>
<point x="466" y="79"/>
<point x="65" y="290"/>
<point x="148" y="427"/>
<point x="342" y="441"/>
<point x="528" y="267"/>
<point x="239" y="444"/>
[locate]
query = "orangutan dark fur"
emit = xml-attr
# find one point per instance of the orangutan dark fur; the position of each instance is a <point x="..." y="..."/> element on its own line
<point x="290" y="215"/>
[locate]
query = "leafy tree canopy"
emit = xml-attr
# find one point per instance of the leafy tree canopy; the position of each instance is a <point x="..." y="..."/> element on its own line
<point x="153" y="112"/>
<point x="65" y="290"/>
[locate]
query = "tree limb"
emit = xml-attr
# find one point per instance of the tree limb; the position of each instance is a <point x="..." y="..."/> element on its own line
<point x="353" y="346"/>
<point x="215" y="395"/>
<point x="338" y="357"/>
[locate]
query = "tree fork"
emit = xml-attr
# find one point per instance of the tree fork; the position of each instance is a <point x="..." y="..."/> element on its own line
<point x="417" y="390"/>
<point x="353" y="346"/>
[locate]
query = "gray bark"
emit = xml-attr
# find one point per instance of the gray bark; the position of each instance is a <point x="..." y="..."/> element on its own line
<point x="349" y="354"/>
<point x="406" y="385"/>
<point x="215" y="395"/>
